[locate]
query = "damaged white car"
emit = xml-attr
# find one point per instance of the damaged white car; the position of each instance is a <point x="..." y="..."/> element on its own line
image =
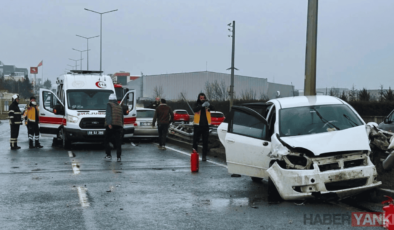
<point x="307" y="146"/>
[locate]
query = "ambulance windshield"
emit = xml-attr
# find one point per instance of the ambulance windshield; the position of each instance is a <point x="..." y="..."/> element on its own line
<point x="88" y="99"/>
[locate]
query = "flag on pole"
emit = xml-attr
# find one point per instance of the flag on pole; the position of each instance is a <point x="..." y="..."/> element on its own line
<point x="40" y="64"/>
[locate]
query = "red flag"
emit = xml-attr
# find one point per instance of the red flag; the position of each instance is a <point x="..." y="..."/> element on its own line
<point x="40" y="64"/>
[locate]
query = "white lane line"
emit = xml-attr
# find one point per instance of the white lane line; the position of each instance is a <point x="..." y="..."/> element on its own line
<point x="70" y="154"/>
<point x="75" y="166"/>
<point x="188" y="154"/>
<point x="83" y="199"/>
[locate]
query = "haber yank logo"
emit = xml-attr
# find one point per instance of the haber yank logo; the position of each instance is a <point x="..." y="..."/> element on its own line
<point x="101" y="84"/>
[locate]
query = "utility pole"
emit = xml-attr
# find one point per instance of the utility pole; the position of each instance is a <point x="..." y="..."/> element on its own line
<point x="311" y="45"/>
<point x="232" y="63"/>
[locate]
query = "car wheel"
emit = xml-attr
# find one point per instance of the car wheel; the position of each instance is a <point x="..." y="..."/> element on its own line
<point x="273" y="194"/>
<point x="66" y="142"/>
<point x="56" y="142"/>
<point x="256" y="179"/>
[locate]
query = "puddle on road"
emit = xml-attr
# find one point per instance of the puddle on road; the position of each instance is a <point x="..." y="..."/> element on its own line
<point x="83" y="199"/>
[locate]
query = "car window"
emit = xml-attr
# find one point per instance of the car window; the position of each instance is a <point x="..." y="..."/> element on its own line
<point x="145" y="113"/>
<point x="248" y="125"/>
<point x="217" y="115"/>
<point x="181" y="112"/>
<point x="50" y="101"/>
<point x="391" y="118"/>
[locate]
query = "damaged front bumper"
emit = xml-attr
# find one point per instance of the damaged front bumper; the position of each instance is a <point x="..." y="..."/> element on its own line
<point x="323" y="179"/>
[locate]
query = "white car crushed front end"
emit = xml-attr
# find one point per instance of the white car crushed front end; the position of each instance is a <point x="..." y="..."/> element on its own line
<point x="332" y="163"/>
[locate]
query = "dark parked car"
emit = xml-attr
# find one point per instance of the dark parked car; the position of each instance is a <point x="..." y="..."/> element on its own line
<point x="388" y="123"/>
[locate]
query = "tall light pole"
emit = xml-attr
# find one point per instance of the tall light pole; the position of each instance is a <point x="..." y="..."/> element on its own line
<point x="75" y="63"/>
<point x="101" y="31"/>
<point x="310" y="54"/>
<point x="232" y="63"/>
<point x="87" y="43"/>
<point x="81" y="51"/>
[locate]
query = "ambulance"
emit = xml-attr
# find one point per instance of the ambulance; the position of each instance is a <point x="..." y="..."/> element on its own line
<point x="76" y="112"/>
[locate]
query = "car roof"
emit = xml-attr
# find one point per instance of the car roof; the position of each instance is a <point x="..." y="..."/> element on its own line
<point x="144" y="109"/>
<point x="300" y="101"/>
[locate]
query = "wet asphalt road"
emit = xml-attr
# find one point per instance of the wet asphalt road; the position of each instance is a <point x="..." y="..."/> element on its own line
<point x="150" y="189"/>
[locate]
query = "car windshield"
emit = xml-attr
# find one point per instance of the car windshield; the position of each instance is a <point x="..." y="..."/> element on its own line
<point x="88" y="99"/>
<point x="316" y="119"/>
<point x="145" y="113"/>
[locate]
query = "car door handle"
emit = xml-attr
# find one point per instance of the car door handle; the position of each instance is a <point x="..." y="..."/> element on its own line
<point x="223" y="130"/>
<point x="230" y="141"/>
<point x="42" y="114"/>
<point x="265" y="143"/>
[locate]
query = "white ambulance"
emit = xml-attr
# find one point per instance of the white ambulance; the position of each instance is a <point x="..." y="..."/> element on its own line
<point x="76" y="113"/>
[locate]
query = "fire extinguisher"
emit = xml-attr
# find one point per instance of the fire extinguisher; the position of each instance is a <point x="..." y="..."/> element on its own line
<point x="388" y="214"/>
<point x="194" y="161"/>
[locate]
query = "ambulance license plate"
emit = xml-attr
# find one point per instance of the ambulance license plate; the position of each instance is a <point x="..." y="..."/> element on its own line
<point x="95" y="132"/>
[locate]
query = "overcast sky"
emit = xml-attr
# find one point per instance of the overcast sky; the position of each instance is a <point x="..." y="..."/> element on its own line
<point x="355" y="38"/>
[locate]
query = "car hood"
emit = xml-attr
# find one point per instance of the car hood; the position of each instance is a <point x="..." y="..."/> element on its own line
<point x="352" y="139"/>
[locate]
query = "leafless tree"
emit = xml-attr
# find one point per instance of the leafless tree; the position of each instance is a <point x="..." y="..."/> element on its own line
<point x="263" y="96"/>
<point x="353" y="94"/>
<point x="248" y="95"/>
<point x="216" y="91"/>
<point x="334" y="92"/>
<point x="158" y="92"/>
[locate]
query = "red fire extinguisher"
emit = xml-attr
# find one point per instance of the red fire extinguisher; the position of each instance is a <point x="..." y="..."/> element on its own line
<point x="194" y="161"/>
<point x="388" y="214"/>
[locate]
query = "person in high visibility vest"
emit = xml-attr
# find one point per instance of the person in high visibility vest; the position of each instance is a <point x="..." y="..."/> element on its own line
<point x="202" y="121"/>
<point x="15" y="116"/>
<point x="32" y="119"/>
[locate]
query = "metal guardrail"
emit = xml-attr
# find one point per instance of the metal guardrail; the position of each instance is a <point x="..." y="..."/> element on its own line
<point x="186" y="131"/>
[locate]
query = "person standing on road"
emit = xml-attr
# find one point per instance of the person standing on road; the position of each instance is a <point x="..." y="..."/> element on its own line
<point x="155" y="104"/>
<point x="15" y="116"/>
<point x="32" y="119"/>
<point x="202" y="120"/>
<point x="164" y="116"/>
<point x="113" y="127"/>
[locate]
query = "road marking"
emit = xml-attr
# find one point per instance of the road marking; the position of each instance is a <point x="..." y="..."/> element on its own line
<point x="70" y="154"/>
<point x="83" y="199"/>
<point x="75" y="166"/>
<point x="188" y="154"/>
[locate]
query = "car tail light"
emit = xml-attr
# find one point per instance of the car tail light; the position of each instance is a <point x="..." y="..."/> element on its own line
<point x="135" y="124"/>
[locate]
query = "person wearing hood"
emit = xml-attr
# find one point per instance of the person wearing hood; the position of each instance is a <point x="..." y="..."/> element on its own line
<point x="113" y="127"/>
<point x="15" y="116"/>
<point x="202" y="120"/>
<point x="32" y="119"/>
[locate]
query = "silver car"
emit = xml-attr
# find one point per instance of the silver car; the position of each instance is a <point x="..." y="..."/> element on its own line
<point x="143" y="125"/>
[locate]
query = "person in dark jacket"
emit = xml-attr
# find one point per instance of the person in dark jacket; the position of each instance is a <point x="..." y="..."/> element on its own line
<point x="202" y="121"/>
<point x="32" y="119"/>
<point x="113" y="127"/>
<point x="15" y="116"/>
<point x="155" y="104"/>
<point x="164" y="116"/>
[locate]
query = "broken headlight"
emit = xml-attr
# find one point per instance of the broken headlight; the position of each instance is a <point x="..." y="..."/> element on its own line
<point x="297" y="161"/>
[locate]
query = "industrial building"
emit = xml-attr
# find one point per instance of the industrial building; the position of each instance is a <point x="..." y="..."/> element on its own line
<point x="170" y="86"/>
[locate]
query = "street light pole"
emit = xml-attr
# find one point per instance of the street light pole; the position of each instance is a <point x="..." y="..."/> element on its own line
<point x="232" y="63"/>
<point x="311" y="44"/>
<point x="101" y="31"/>
<point x="87" y="43"/>
<point x="81" y="51"/>
<point x="75" y="63"/>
